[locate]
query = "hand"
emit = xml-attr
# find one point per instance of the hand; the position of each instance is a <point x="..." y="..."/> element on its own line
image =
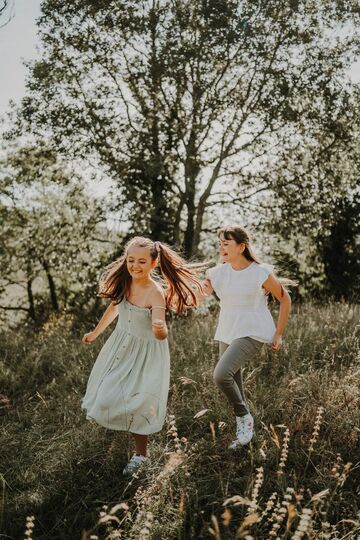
<point x="158" y="324"/>
<point x="159" y="328"/>
<point x="276" y="343"/>
<point x="207" y="285"/>
<point x="89" y="338"/>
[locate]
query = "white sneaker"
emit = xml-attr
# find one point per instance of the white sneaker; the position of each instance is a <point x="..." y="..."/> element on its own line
<point x="134" y="464"/>
<point x="244" y="431"/>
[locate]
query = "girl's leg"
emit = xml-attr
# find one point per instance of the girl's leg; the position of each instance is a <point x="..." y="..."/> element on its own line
<point x="238" y="375"/>
<point x="140" y="444"/>
<point x="139" y="458"/>
<point x="238" y="378"/>
<point x="227" y="374"/>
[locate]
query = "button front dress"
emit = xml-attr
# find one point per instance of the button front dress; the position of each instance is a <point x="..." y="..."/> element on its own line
<point x="129" y="383"/>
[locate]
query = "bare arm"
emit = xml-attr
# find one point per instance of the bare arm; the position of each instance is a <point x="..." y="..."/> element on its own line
<point x="107" y="318"/>
<point x="208" y="289"/>
<point x="273" y="286"/>
<point x="158" y="309"/>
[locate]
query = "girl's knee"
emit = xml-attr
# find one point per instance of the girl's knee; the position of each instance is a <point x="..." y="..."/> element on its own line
<point x="220" y="377"/>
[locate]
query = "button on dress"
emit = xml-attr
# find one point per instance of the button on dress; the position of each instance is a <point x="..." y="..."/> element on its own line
<point x="129" y="382"/>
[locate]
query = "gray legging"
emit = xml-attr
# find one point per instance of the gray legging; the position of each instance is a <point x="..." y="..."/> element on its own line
<point x="227" y="373"/>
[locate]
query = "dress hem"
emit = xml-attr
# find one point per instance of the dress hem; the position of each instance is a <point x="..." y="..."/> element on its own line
<point x="124" y="429"/>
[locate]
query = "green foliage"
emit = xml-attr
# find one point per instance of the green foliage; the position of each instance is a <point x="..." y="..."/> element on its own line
<point x="67" y="472"/>
<point x="314" y="206"/>
<point x="341" y="250"/>
<point x="49" y="236"/>
<point x="191" y="104"/>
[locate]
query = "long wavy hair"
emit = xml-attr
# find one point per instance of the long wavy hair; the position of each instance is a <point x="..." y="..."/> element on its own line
<point x="241" y="236"/>
<point x="180" y="279"/>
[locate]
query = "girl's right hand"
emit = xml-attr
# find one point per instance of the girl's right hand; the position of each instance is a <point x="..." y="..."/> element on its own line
<point x="89" y="338"/>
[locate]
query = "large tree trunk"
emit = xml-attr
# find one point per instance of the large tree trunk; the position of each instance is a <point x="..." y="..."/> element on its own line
<point x="31" y="299"/>
<point x="189" y="232"/>
<point x="192" y="170"/>
<point x="177" y="220"/>
<point x="52" y="287"/>
<point x="161" y="219"/>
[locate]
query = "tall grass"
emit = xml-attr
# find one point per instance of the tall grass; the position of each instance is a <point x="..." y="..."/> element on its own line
<point x="299" y="478"/>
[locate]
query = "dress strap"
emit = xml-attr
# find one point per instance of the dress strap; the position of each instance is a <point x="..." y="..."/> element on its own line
<point x="159" y="307"/>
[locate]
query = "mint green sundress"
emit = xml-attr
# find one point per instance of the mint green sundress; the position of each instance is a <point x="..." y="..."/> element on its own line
<point x="129" y="382"/>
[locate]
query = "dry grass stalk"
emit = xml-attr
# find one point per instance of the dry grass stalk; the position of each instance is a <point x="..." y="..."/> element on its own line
<point x="255" y="493"/>
<point x="340" y="471"/>
<point x="284" y="452"/>
<point x="316" y="430"/>
<point x="243" y="530"/>
<point x="173" y="432"/>
<point x="29" y="527"/>
<point x="215" y="529"/>
<point x="226" y="517"/>
<point x="151" y="496"/>
<point x="274" y="533"/>
<point x="269" y="504"/>
<point x="147" y="525"/>
<point x="304" y="524"/>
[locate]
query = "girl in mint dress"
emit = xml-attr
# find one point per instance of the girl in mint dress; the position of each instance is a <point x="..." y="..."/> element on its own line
<point x="129" y="383"/>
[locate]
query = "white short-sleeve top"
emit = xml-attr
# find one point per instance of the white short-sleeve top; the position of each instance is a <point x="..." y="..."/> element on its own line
<point x="243" y="303"/>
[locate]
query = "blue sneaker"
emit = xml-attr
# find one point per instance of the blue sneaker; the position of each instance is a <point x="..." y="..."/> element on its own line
<point x="134" y="464"/>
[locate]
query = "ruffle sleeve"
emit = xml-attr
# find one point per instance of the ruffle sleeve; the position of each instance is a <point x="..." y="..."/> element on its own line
<point x="264" y="271"/>
<point x="214" y="274"/>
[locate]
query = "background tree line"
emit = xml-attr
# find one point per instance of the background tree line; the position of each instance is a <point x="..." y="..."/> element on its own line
<point x="198" y="112"/>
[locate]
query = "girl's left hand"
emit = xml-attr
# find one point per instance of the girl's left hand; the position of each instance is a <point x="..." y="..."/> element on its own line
<point x="276" y="343"/>
<point x="159" y="328"/>
<point x="158" y="324"/>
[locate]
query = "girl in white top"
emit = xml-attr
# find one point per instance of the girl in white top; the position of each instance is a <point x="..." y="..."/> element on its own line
<point x="129" y="383"/>
<point x="245" y="323"/>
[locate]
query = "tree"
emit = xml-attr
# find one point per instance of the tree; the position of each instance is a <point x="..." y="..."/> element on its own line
<point x="315" y="206"/>
<point x="50" y="234"/>
<point x="180" y="101"/>
<point x="340" y="250"/>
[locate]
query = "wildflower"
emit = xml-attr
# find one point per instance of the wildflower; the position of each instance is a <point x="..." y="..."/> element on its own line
<point x="258" y="483"/>
<point x="284" y="452"/>
<point x="29" y="527"/>
<point x="316" y="430"/>
<point x="304" y="524"/>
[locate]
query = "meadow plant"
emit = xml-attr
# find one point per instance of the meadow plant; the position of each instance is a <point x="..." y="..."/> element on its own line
<point x="316" y="430"/>
<point x="62" y="469"/>
<point x="29" y="528"/>
<point x="284" y="452"/>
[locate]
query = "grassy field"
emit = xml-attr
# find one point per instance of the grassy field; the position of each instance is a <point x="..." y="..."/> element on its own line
<point x="298" y="479"/>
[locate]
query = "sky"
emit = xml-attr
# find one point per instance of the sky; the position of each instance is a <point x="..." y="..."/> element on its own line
<point x="18" y="42"/>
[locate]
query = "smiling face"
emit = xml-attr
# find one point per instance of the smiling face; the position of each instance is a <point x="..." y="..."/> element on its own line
<point x="139" y="262"/>
<point x="229" y="249"/>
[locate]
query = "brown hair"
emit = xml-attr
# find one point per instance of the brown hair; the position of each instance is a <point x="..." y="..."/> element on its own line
<point x="241" y="236"/>
<point x="179" y="276"/>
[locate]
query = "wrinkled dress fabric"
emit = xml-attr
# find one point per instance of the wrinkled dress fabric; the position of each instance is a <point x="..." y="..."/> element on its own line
<point x="129" y="383"/>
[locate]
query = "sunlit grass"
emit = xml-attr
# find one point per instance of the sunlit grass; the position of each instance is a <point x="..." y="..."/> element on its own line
<point x="299" y="477"/>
